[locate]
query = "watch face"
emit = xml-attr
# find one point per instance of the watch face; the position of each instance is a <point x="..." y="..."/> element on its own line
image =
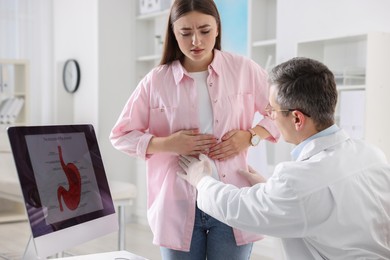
<point x="255" y="140"/>
<point x="71" y="76"/>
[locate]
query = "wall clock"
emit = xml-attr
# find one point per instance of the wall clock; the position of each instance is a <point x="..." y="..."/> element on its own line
<point x="71" y="75"/>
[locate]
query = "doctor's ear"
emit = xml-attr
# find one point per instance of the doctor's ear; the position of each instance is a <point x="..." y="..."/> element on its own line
<point x="295" y="115"/>
<point x="299" y="118"/>
<point x="296" y="118"/>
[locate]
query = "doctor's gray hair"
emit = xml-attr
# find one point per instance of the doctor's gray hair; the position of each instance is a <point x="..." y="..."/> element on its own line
<point x="307" y="85"/>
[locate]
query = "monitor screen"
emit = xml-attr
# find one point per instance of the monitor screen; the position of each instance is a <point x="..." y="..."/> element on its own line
<point x="64" y="185"/>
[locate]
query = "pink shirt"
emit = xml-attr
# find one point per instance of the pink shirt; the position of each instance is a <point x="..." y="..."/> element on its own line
<point x="164" y="102"/>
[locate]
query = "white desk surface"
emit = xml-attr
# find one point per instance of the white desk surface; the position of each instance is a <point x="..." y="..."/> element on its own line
<point x="116" y="255"/>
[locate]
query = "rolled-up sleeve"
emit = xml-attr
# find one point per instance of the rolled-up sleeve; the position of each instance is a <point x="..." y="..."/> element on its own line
<point x="270" y="126"/>
<point x="129" y="133"/>
<point x="262" y="95"/>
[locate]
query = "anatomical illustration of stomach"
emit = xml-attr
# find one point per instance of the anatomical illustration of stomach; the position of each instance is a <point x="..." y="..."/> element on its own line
<point x="71" y="196"/>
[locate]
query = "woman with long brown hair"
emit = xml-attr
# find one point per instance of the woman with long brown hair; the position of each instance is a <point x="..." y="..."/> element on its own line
<point x="198" y="100"/>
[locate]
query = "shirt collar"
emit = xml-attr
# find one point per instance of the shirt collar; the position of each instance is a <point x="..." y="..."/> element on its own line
<point x="216" y="64"/>
<point x="298" y="149"/>
<point x="179" y="72"/>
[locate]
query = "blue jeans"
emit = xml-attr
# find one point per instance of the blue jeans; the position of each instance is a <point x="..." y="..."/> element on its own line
<point x="211" y="239"/>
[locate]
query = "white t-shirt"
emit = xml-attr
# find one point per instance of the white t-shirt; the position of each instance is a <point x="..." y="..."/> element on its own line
<point x="205" y="109"/>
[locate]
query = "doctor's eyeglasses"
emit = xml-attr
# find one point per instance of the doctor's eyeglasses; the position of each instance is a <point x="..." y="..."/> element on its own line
<point x="270" y="111"/>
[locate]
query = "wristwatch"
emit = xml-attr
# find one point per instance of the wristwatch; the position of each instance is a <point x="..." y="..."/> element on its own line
<point x="255" y="139"/>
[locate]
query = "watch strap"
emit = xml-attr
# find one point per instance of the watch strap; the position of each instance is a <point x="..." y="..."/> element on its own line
<point x="252" y="132"/>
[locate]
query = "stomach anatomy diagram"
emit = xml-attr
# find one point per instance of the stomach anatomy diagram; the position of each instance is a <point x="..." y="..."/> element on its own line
<point x="64" y="174"/>
<point x="71" y="196"/>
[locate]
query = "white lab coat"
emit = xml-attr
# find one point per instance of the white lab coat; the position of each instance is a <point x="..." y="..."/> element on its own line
<point x="333" y="202"/>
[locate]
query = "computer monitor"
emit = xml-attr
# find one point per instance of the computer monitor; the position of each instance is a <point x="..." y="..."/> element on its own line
<point x="64" y="186"/>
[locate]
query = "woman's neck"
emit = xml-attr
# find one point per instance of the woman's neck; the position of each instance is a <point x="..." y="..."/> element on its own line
<point x="197" y="66"/>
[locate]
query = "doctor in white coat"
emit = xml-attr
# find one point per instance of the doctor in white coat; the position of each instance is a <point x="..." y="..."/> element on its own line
<point x="332" y="201"/>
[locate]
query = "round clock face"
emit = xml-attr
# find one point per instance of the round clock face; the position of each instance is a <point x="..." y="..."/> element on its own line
<point x="71" y="76"/>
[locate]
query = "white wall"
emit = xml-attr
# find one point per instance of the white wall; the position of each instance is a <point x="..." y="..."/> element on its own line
<point x="76" y="37"/>
<point x="116" y="70"/>
<point x="97" y="33"/>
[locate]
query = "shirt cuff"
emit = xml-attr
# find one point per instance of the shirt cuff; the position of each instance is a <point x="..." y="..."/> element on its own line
<point x="269" y="125"/>
<point x="143" y="146"/>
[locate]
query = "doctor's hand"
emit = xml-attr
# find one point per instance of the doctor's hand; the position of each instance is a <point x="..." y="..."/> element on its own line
<point x="252" y="176"/>
<point x="194" y="169"/>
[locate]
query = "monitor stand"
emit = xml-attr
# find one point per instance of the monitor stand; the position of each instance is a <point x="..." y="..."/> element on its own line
<point x="31" y="251"/>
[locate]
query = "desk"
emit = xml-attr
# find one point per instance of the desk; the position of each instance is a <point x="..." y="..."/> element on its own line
<point x="116" y="255"/>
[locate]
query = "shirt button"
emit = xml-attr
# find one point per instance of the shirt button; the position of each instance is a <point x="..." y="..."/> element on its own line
<point x="210" y="84"/>
<point x="215" y="101"/>
<point x="223" y="175"/>
<point x="216" y="121"/>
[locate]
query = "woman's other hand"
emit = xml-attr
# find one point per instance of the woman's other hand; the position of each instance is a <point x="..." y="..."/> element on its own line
<point x="233" y="142"/>
<point x="190" y="142"/>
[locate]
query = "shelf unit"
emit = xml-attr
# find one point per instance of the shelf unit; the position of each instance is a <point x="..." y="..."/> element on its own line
<point x="151" y="29"/>
<point x="14" y="84"/>
<point x="346" y="57"/>
<point x="359" y="63"/>
<point x="262" y="39"/>
<point x="262" y="31"/>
